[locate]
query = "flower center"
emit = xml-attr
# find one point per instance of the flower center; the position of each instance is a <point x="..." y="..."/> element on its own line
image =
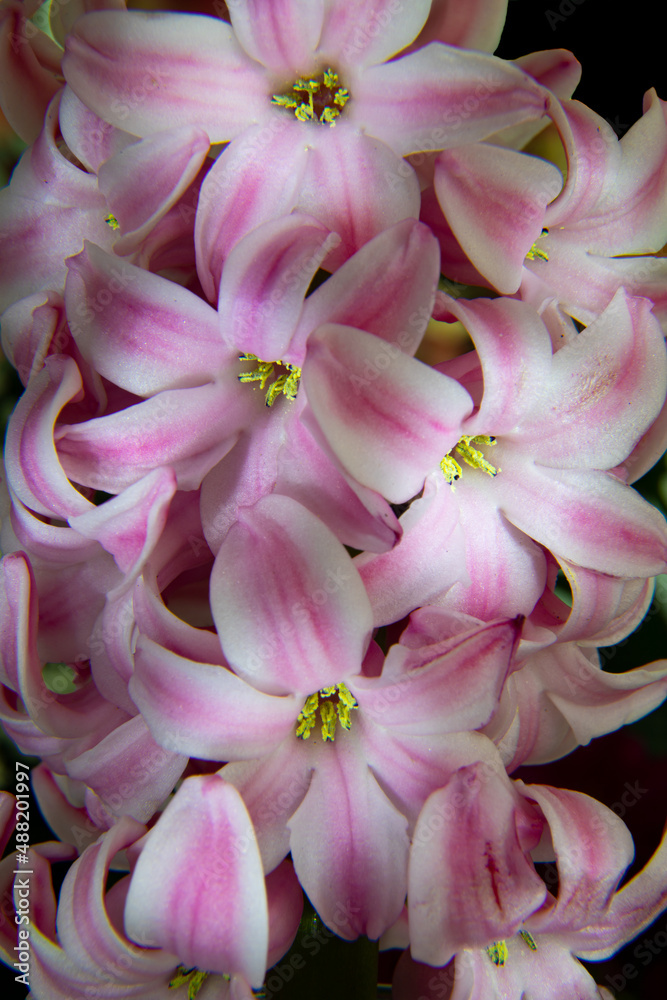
<point x="498" y="952"/>
<point x="334" y="704"/>
<point x="535" y="253"/>
<point x="317" y="100"/>
<point x="285" y="383"/>
<point x="451" y="469"/>
<point x="193" y="977"/>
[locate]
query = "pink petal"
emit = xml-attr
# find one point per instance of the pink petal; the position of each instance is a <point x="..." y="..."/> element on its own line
<point x="556" y="69"/>
<point x="47" y="194"/>
<point x="27" y="82"/>
<point x="84" y="928"/>
<point x="129" y="771"/>
<point x="279" y="550"/>
<point x="272" y="788"/>
<point x="590" y="864"/>
<point x="607" y="525"/>
<point x="427" y="560"/>
<point x="188" y="429"/>
<point x="198" y="888"/>
<point x="239" y="193"/>
<point x="140" y="330"/>
<point x="145" y="72"/>
<point x="349" y="844"/>
<point x="627" y="177"/>
<point x="29" y="329"/>
<point x="129" y="525"/>
<point x="440" y="97"/>
<point x="358" y="33"/>
<point x="356" y="185"/>
<point x="33" y="469"/>
<point x="157" y="622"/>
<point x="358" y="517"/>
<point x="476" y="25"/>
<point x="285" y="898"/>
<point x="204" y="710"/>
<point x="162" y="167"/>
<point x="472" y="883"/>
<point x="411" y="767"/>
<point x="515" y="351"/>
<point x="386" y="288"/>
<point x="605" y="609"/>
<point x="494" y="200"/>
<point x="506" y="570"/>
<point x="264" y="284"/>
<point x="595" y="702"/>
<point x="387" y="417"/>
<point x="90" y="138"/>
<point x="300" y="468"/>
<point x="616" y="365"/>
<point x="282" y="35"/>
<point x="449" y="686"/>
<point x="632" y="909"/>
<point x="71" y="824"/>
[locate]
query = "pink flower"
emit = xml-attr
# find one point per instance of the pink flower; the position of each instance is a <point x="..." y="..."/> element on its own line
<point x="293" y="622"/>
<point x="84" y="947"/>
<point x="270" y="80"/>
<point x="512" y="938"/>
<point x="550" y="428"/>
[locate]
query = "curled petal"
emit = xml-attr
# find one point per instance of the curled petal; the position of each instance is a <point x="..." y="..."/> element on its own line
<point x="471" y="882"/>
<point x="33" y="469"/>
<point x="198" y="888"/>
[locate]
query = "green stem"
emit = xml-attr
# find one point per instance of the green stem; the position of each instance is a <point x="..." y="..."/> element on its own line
<point x="322" y="966"/>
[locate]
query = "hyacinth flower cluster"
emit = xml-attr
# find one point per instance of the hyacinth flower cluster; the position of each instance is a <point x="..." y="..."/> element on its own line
<point x="286" y="600"/>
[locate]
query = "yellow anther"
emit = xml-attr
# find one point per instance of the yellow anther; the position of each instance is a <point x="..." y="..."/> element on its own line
<point x="323" y="101"/>
<point x="535" y="253"/>
<point x="285" y="384"/>
<point x="497" y="952"/>
<point x="112" y="221"/>
<point x="284" y="101"/>
<point x="307" y="86"/>
<point x="193" y="977"/>
<point x="308" y="716"/>
<point x="334" y="705"/>
<point x="473" y="457"/>
<point x="529" y="939"/>
<point x="328" y="717"/>
<point x="451" y="469"/>
<point x="304" y="113"/>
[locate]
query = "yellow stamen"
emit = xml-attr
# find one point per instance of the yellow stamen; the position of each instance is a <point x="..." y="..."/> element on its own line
<point x="193" y="977"/>
<point x="497" y="952"/>
<point x="112" y="221"/>
<point x="535" y="253"/>
<point x="473" y="457"/>
<point x="529" y="939"/>
<point x="324" y="99"/>
<point x="334" y="705"/>
<point x="286" y="384"/>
